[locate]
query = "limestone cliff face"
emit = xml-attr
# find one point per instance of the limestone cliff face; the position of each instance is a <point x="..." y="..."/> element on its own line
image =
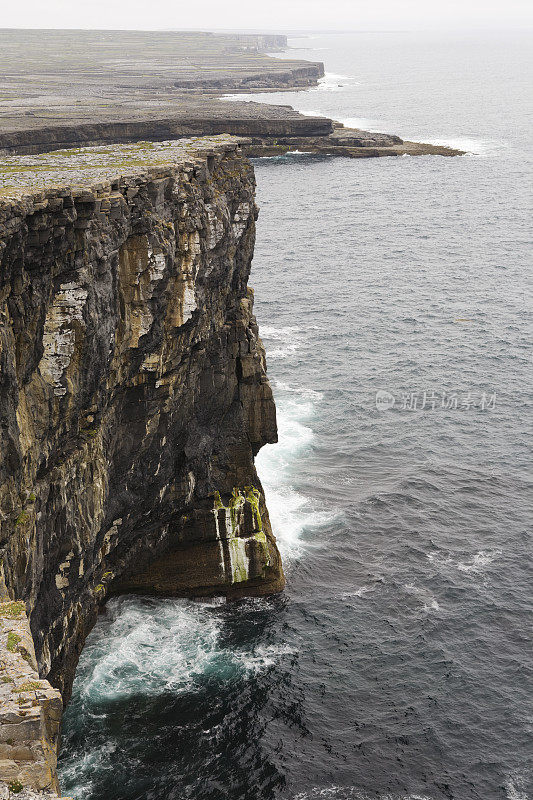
<point x="133" y="391"/>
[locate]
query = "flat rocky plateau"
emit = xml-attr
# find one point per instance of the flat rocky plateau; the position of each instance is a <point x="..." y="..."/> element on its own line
<point x="89" y="170"/>
<point x="61" y="89"/>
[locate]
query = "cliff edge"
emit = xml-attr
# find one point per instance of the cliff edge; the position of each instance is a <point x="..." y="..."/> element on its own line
<point x="133" y="387"/>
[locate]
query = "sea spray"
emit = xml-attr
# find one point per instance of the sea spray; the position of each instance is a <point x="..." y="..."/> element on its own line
<point x="291" y="512"/>
<point x="154" y="654"/>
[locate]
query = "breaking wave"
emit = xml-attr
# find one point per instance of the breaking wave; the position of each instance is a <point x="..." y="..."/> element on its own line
<point x="471" y="145"/>
<point x="331" y="82"/>
<point x="291" y="512"/>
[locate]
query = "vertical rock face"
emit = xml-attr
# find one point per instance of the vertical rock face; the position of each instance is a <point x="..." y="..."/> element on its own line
<point x="30" y="709"/>
<point x="133" y="394"/>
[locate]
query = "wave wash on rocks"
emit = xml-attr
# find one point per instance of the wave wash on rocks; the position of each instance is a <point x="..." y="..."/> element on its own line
<point x="133" y="399"/>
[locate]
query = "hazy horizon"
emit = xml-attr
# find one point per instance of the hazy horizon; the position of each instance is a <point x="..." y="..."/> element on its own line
<point x="299" y="16"/>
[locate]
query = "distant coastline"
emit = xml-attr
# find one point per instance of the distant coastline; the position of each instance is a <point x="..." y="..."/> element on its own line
<point x="158" y="95"/>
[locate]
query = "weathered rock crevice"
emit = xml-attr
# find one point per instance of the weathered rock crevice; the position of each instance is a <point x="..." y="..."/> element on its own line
<point x="133" y="391"/>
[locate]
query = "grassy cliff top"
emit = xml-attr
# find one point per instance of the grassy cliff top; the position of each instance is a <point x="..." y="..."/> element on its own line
<point x="86" y="167"/>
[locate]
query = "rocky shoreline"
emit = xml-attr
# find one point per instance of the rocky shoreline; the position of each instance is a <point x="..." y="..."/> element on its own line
<point x="126" y="86"/>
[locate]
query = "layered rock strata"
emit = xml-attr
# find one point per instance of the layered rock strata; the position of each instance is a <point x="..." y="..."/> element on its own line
<point x="272" y="131"/>
<point x="197" y="119"/>
<point x="133" y="389"/>
<point x="347" y="142"/>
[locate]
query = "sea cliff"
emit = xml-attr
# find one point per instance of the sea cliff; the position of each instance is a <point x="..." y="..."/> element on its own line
<point x="168" y="87"/>
<point x="133" y="397"/>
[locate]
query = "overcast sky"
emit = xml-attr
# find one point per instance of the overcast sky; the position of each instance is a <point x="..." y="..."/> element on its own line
<point x="281" y="15"/>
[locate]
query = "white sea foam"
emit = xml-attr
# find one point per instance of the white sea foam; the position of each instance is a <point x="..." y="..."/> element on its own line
<point x="144" y="651"/>
<point x="77" y="773"/>
<point x="286" y="340"/>
<point x="289" y="510"/>
<point x="163" y="646"/>
<point x="312" y="113"/>
<point x="149" y="647"/>
<point x="472" y="146"/>
<point x="514" y="788"/>
<point x="474" y="564"/>
<point x="291" y="513"/>
<point x="480" y="560"/>
<point x="333" y="76"/>
<point x="351" y="793"/>
<point x="429" y="603"/>
<point x="263" y="657"/>
<point x="358" y="592"/>
<point x="331" y="82"/>
<point x="303" y="393"/>
<point x="363" y="123"/>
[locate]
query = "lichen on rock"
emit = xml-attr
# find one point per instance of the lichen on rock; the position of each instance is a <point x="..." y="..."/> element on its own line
<point x="243" y="535"/>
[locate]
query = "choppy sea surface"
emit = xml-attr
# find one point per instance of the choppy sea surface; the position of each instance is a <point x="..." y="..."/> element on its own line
<point x="397" y="664"/>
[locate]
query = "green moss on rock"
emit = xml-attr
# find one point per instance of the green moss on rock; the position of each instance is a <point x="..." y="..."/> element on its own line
<point x="253" y="497"/>
<point x="14" y="609"/>
<point x="238" y="540"/>
<point x="22" y="518"/>
<point x="13" y="640"/>
<point x="29" y="686"/>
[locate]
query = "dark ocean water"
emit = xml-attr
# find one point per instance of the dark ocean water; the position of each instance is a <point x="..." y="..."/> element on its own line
<point x="397" y="664"/>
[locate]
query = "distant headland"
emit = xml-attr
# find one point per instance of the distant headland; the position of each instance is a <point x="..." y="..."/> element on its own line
<point x="80" y="88"/>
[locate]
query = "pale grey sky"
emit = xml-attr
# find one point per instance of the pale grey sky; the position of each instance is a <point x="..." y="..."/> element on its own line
<point x="273" y="15"/>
